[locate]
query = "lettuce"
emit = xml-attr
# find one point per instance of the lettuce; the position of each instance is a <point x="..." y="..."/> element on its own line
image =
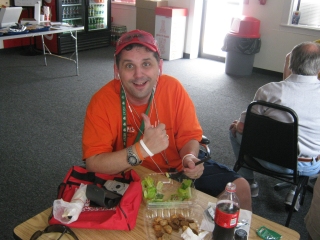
<point x="152" y="191"/>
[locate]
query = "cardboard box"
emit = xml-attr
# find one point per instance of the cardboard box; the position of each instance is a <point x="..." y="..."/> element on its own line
<point x="151" y="4"/>
<point x="170" y="31"/>
<point x="4" y="3"/>
<point x="145" y="16"/>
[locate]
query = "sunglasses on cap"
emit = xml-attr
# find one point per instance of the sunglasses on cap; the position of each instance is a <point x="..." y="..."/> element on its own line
<point x="139" y="37"/>
<point x="56" y="231"/>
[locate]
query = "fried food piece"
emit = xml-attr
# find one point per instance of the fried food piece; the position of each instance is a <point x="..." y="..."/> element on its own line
<point x="174" y="216"/>
<point x="184" y="223"/>
<point x="175" y="227"/>
<point x="190" y="220"/>
<point x="163" y="222"/>
<point x="181" y="217"/>
<point x="175" y="221"/>
<point x="166" y="236"/>
<point x="194" y="228"/>
<point x="157" y="219"/>
<point x="158" y="233"/>
<point x="157" y="227"/>
<point x="184" y="228"/>
<point x="168" y="229"/>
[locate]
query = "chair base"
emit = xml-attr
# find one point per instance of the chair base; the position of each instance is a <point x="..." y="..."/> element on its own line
<point x="283" y="185"/>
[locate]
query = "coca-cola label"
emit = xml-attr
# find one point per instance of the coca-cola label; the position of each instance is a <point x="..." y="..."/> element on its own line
<point x="226" y="220"/>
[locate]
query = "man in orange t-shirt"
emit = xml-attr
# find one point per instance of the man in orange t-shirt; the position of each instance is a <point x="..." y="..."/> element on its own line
<point x="145" y="117"/>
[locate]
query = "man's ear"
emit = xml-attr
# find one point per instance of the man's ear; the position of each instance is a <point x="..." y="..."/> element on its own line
<point x="116" y="71"/>
<point x="160" y="66"/>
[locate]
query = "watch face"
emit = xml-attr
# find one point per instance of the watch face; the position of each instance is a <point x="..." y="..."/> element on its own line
<point x="132" y="160"/>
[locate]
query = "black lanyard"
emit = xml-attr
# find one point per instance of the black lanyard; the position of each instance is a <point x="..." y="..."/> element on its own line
<point x="124" y="118"/>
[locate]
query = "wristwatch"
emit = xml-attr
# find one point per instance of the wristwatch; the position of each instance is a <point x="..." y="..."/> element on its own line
<point x="133" y="159"/>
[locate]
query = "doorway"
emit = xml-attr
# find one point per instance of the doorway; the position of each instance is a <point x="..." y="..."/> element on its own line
<point x="217" y="16"/>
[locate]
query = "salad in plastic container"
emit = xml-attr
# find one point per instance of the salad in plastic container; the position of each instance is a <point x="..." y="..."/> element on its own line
<point x="160" y="190"/>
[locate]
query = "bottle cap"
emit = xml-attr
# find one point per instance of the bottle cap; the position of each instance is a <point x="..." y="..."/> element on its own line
<point x="240" y="234"/>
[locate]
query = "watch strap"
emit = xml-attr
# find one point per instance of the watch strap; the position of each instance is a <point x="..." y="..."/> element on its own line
<point x="131" y="154"/>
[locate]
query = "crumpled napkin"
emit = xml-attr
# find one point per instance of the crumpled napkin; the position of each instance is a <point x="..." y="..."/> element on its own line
<point x="189" y="235"/>
<point x="68" y="212"/>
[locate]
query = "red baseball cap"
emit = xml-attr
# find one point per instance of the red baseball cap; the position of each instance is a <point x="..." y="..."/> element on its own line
<point x="137" y="36"/>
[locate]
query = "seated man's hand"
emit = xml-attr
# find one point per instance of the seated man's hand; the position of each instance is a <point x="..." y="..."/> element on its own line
<point x="190" y="169"/>
<point x="233" y="127"/>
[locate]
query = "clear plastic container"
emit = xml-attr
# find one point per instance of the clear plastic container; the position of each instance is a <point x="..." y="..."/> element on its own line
<point x="187" y="211"/>
<point x="169" y="193"/>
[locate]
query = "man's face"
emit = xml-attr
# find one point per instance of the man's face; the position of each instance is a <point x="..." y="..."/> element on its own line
<point x="139" y="71"/>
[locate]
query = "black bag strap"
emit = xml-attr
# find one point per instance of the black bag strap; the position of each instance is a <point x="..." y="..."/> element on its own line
<point x="54" y="228"/>
<point x="87" y="177"/>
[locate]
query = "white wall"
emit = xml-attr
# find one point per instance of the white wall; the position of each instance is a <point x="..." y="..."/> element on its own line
<point x="276" y="40"/>
<point x="124" y="14"/>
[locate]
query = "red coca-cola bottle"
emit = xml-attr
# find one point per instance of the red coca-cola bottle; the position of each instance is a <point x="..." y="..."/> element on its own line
<point x="227" y="214"/>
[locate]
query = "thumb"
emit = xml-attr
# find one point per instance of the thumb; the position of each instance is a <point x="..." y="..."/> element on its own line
<point x="146" y="120"/>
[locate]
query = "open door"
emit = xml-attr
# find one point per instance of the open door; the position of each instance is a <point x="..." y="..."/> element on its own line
<point x="217" y="16"/>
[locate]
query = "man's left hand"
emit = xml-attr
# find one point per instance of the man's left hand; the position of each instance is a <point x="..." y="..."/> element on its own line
<point x="190" y="169"/>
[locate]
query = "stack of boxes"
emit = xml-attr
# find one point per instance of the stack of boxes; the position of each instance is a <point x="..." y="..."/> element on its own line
<point x="116" y="32"/>
<point x="170" y="31"/>
<point x="146" y="14"/>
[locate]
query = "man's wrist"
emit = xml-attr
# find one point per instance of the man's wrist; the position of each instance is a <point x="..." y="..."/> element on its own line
<point x="146" y="149"/>
<point x="137" y="146"/>
<point x="132" y="157"/>
<point x="186" y="156"/>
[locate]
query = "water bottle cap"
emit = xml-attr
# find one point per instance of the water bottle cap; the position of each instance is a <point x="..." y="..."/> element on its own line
<point x="230" y="187"/>
<point x="240" y="234"/>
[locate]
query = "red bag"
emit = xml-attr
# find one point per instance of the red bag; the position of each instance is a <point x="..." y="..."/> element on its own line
<point x="122" y="217"/>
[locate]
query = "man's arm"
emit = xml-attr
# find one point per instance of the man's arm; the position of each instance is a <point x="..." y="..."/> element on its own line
<point x="154" y="137"/>
<point x="189" y="155"/>
<point x="109" y="163"/>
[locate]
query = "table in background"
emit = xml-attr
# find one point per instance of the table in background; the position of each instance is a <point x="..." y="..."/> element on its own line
<point x="46" y="51"/>
<point x="40" y="222"/>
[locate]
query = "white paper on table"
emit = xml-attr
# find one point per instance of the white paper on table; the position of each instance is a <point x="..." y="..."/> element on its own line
<point x="245" y="216"/>
<point x="68" y="212"/>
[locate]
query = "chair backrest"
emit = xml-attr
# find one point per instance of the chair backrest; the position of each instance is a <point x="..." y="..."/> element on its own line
<point x="271" y="140"/>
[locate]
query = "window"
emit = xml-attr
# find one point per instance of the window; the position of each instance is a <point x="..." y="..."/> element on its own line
<point x="309" y="11"/>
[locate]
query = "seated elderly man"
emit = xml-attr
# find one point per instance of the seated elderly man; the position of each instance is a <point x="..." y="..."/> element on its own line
<point x="301" y="92"/>
<point x="286" y="70"/>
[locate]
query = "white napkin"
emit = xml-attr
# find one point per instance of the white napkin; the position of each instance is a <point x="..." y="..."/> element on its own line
<point x="189" y="235"/>
<point x="68" y="212"/>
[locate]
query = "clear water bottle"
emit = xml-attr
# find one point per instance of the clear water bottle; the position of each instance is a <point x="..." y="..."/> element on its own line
<point x="227" y="214"/>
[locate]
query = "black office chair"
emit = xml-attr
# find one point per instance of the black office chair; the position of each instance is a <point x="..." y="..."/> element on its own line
<point x="275" y="142"/>
<point x="204" y="146"/>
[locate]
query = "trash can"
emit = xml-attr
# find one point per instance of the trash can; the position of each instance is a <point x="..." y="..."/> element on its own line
<point x="170" y="30"/>
<point x="241" y="44"/>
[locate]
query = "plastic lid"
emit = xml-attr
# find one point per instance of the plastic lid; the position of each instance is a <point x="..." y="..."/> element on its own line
<point x="171" y="11"/>
<point x="245" y="27"/>
<point x="240" y="234"/>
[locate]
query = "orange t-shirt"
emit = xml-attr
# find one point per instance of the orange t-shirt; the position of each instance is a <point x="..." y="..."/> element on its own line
<point x="172" y="106"/>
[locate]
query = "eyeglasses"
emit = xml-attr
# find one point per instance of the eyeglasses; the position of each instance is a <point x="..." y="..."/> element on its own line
<point x="53" y="232"/>
<point x="137" y="36"/>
